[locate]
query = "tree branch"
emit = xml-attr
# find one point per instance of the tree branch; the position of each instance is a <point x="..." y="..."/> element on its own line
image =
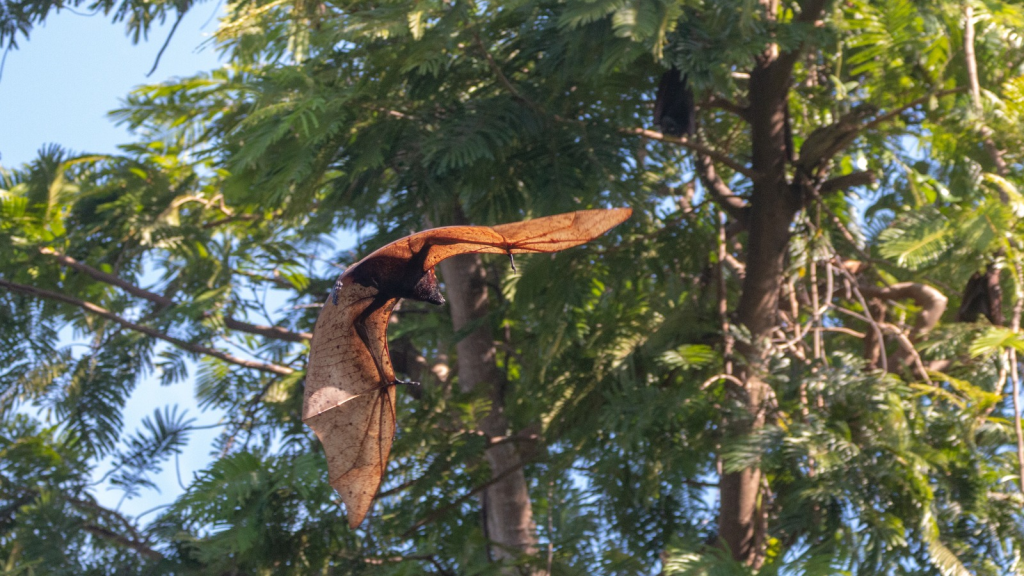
<point x="827" y="141"/>
<point x="151" y="332"/>
<point x="106" y="278"/>
<point x="725" y="104"/>
<point x="275" y="332"/>
<point x="116" y="538"/>
<point x="913" y="103"/>
<point x="811" y="12"/>
<point x="972" y="77"/>
<point x="695" y="146"/>
<point x="501" y="75"/>
<point x="458" y="501"/>
<point x="933" y="304"/>
<point x="733" y="205"/>
<point x="847" y="181"/>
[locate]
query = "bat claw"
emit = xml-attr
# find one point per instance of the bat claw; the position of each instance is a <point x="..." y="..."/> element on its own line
<point x="415" y="388"/>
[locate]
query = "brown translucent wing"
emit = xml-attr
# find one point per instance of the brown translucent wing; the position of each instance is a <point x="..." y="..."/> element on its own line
<point x="357" y="439"/>
<point x="548" y="234"/>
<point x="561" y="231"/>
<point x="347" y="402"/>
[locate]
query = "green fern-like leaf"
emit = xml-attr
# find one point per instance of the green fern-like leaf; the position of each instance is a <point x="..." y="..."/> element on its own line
<point x="917" y="239"/>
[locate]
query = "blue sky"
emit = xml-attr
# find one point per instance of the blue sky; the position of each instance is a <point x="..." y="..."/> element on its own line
<point x="58" y="88"/>
<point x="61" y="82"/>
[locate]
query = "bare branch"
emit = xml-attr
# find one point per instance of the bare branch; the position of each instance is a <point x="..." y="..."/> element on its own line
<point x="104" y="313"/>
<point x="725" y="104"/>
<point x="972" y="77"/>
<point x="842" y="330"/>
<point x="876" y="329"/>
<point x="275" y="332"/>
<point x="116" y="538"/>
<point x="177" y="21"/>
<point x="932" y="302"/>
<point x="106" y="278"/>
<point x="735" y="206"/>
<point x="735" y="266"/>
<point x="847" y="181"/>
<point x="695" y="146"/>
<point x="972" y="63"/>
<point x="228" y="219"/>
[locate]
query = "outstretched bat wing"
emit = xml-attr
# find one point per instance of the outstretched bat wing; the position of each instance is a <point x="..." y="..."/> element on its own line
<point x="562" y="231"/>
<point x="349" y="401"/>
<point x="547" y="234"/>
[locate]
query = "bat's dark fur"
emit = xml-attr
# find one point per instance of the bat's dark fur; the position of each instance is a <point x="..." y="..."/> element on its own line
<point x="674" y="109"/>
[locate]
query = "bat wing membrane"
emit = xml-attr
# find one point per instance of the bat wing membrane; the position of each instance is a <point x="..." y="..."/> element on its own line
<point x="547" y="234"/>
<point x="348" y="402"/>
<point x="561" y="231"/>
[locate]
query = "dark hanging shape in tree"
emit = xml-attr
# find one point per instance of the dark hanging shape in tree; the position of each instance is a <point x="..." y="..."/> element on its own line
<point x="349" y="399"/>
<point x="673" y="109"/>
<point x="982" y="296"/>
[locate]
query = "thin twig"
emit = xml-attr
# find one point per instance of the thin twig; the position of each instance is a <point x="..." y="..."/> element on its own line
<point x="908" y="348"/>
<point x="860" y="298"/>
<point x="275" y="332"/>
<point x="1018" y="308"/>
<point x="116" y="538"/>
<point x="181" y="16"/>
<point x="433" y="516"/>
<point x="148" y="331"/>
<point x="916" y="102"/>
<point x="696" y="147"/>
<point x="843" y="330"/>
<point x="717" y="377"/>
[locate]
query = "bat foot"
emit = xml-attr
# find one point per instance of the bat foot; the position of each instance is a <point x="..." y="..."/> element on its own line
<point x="415" y="388"/>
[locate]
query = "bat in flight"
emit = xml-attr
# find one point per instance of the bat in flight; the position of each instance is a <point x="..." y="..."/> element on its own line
<point x="349" y="399"/>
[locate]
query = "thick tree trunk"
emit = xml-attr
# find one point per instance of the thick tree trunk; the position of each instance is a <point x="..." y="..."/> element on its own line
<point x="508" y="515"/>
<point x="772" y="208"/>
<point x="773" y="204"/>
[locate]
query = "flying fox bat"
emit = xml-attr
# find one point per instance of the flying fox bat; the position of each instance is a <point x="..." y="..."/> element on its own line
<point x="350" y="384"/>
<point x="673" y="106"/>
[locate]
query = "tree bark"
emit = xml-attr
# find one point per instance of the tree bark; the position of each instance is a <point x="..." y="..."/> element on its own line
<point x="773" y="204"/>
<point x="772" y="208"/>
<point x="508" y="514"/>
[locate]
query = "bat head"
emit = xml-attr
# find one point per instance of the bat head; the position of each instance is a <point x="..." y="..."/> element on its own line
<point x="426" y="289"/>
